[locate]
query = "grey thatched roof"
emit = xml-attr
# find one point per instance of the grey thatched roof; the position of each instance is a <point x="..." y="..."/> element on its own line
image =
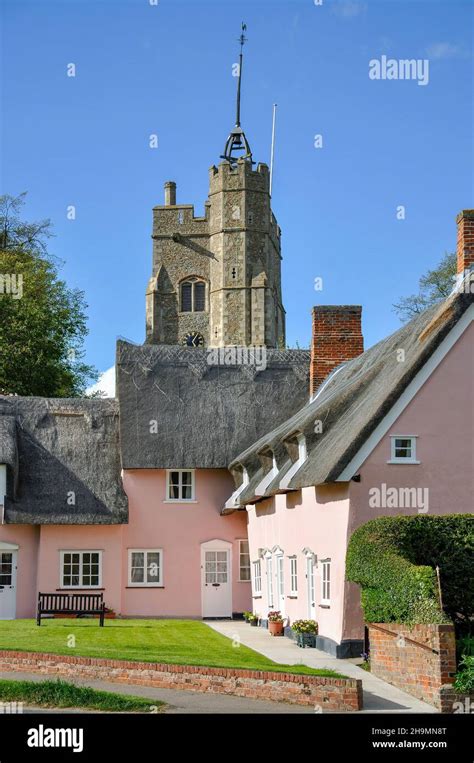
<point x="178" y="411"/>
<point x="350" y="404"/>
<point x="63" y="461"/>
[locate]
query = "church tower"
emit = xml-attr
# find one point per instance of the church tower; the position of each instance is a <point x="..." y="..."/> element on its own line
<point x="216" y="280"/>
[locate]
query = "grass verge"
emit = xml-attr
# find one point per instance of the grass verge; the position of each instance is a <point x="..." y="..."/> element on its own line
<point x="61" y="694"/>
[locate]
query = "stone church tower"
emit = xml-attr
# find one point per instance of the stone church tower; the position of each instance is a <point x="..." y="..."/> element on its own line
<point x="216" y="279"/>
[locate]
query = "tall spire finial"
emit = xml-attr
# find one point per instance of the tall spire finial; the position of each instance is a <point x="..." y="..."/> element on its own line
<point x="237" y="142"/>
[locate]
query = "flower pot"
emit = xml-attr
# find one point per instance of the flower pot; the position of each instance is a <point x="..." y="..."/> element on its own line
<point x="275" y="628"/>
<point x="306" y="639"/>
<point x="253" y="622"/>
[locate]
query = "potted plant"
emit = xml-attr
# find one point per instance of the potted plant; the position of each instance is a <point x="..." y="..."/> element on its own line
<point x="275" y="623"/>
<point x="306" y="632"/>
<point x="247" y="616"/>
<point x="253" y="619"/>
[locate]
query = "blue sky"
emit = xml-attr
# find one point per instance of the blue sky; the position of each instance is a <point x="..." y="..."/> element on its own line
<point x="167" y="69"/>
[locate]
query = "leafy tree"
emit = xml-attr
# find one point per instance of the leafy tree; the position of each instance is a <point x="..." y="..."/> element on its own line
<point x="434" y="286"/>
<point x="42" y="321"/>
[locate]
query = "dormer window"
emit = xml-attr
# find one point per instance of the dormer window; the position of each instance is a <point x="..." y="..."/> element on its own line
<point x="298" y="453"/>
<point x="193" y="295"/>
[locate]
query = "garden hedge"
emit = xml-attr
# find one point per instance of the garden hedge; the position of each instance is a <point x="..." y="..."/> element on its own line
<point x="394" y="559"/>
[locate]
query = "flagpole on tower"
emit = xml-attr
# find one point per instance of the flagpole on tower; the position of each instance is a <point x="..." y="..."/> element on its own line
<point x="272" y="152"/>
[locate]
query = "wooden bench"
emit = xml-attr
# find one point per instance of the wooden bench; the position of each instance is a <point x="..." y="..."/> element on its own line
<point x="71" y="604"/>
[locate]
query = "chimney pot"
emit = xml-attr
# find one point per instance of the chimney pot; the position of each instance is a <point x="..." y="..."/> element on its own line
<point x="170" y="193"/>
<point x="337" y="338"/>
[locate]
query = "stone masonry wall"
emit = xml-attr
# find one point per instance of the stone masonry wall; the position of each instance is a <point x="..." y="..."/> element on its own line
<point x="330" y="694"/>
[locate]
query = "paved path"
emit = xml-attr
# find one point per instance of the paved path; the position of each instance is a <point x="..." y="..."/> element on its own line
<point x="379" y="696"/>
<point x="178" y="701"/>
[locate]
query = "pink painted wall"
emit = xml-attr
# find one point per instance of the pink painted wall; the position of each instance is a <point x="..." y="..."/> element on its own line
<point x="442" y="415"/>
<point x="105" y="538"/>
<point x="27" y="538"/>
<point x="315" y="518"/>
<point x="179" y="529"/>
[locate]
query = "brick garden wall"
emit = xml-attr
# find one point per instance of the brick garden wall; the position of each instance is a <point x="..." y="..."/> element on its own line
<point x="420" y="668"/>
<point x="331" y="694"/>
<point x="454" y="702"/>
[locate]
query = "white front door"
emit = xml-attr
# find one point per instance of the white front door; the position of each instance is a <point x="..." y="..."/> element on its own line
<point x="216" y="579"/>
<point x="311" y="588"/>
<point x="8" y="561"/>
<point x="280" y="575"/>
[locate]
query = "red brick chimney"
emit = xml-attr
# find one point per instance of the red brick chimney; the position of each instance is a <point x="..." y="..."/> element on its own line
<point x="465" y="246"/>
<point x="337" y="338"/>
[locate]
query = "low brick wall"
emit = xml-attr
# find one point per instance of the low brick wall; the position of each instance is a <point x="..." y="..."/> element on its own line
<point x="419" y="659"/>
<point x="331" y="694"/>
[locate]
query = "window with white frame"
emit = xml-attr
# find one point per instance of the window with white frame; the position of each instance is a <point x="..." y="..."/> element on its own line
<point x="180" y="485"/>
<point x="293" y="576"/>
<point x="280" y="560"/>
<point x="244" y="561"/>
<point x="257" y="577"/>
<point x="326" y="581"/>
<point x="403" y="449"/>
<point x="270" y="582"/>
<point x="81" y="569"/>
<point x="145" y="567"/>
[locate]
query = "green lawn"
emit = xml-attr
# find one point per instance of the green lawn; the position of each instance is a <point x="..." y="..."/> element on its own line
<point x="183" y="642"/>
<point x="62" y="694"/>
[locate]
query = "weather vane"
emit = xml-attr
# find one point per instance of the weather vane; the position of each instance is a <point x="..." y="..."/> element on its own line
<point x="237" y="145"/>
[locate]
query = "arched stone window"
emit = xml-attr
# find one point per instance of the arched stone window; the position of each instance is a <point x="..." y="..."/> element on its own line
<point x="193" y="295"/>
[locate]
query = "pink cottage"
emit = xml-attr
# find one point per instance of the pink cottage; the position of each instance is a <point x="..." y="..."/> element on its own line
<point x="229" y="473"/>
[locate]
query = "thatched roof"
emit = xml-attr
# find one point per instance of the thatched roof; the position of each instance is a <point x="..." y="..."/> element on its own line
<point x="63" y="461"/>
<point x="349" y="405"/>
<point x="177" y="410"/>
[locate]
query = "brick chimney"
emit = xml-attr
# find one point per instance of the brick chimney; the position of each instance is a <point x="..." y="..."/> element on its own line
<point x="337" y="338"/>
<point x="465" y="245"/>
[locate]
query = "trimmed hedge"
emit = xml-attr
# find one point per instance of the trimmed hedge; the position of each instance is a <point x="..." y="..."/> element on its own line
<point x="393" y="560"/>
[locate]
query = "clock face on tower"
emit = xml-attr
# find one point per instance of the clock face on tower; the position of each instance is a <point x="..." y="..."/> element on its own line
<point x="193" y="339"/>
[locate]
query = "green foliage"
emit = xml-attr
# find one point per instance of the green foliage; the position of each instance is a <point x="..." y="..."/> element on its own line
<point x="464" y="680"/>
<point x="435" y="286"/>
<point x="393" y="559"/>
<point x="464" y="647"/>
<point x="42" y="321"/>
<point x="62" y="694"/>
